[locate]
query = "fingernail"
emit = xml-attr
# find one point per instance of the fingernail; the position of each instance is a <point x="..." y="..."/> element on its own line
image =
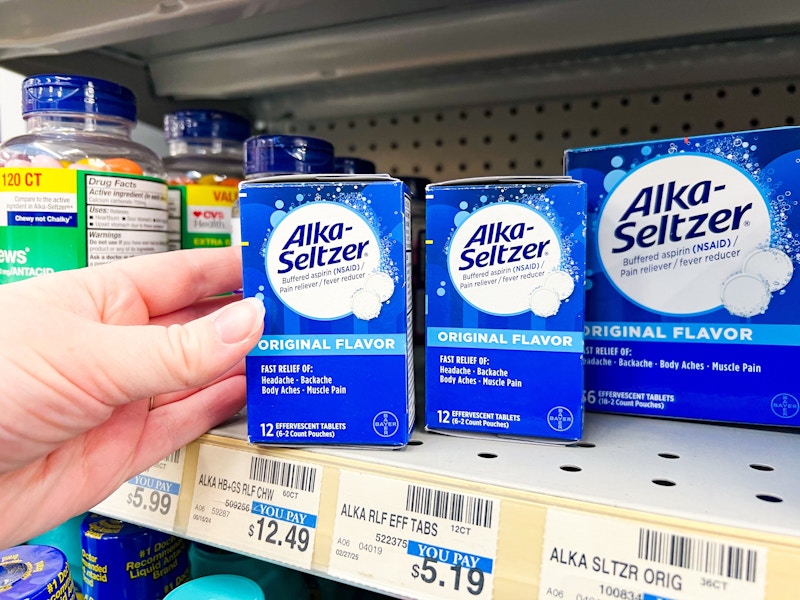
<point x="237" y="321"/>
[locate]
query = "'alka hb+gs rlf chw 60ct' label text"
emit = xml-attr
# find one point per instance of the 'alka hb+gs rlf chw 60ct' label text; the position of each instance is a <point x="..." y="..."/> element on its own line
<point x="505" y="271"/>
<point x="691" y="299"/>
<point x="328" y="255"/>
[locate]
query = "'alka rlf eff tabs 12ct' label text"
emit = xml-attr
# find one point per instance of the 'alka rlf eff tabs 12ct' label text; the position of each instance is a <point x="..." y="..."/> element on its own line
<point x="329" y="258"/>
<point x="505" y="274"/>
<point x="691" y="292"/>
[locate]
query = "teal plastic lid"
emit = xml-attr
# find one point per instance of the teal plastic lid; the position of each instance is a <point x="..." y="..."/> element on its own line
<point x="217" y="587"/>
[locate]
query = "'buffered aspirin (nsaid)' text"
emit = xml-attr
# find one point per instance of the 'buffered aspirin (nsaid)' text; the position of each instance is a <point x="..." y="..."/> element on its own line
<point x="328" y="256"/>
<point x="505" y="272"/>
<point x="694" y="240"/>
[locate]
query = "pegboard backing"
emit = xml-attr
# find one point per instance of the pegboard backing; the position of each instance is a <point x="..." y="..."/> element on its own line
<point x="529" y="138"/>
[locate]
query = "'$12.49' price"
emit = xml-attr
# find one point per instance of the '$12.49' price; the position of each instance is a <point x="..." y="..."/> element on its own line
<point x="428" y="573"/>
<point x="156" y="502"/>
<point x="267" y="530"/>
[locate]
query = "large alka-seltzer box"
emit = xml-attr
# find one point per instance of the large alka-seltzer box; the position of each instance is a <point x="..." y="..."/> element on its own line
<point x="692" y="307"/>
<point x="329" y="256"/>
<point x="505" y="310"/>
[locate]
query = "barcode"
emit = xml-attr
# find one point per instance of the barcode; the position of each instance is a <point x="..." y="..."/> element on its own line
<point x="705" y="556"/>
<point x="174" y="457"/>
<point x="276" y="472"/>
<point x="449" y="505"/>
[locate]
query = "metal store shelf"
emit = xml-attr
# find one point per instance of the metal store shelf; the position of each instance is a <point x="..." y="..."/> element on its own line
<point x="734" y="486"/>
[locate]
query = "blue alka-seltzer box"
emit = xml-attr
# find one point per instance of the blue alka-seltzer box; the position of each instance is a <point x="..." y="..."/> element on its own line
<point x="505" y="274"/>
<point x="329" y="256"/>
<point x="692" y="307"/>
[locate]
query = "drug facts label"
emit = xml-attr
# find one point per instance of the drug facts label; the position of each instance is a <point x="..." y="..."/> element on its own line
<point x="150" y="498"/>
<point x="256" y="504"/>
<point x="59" y="219"/>
<point x="592" y="557"/>
<point x="439" y="543"/>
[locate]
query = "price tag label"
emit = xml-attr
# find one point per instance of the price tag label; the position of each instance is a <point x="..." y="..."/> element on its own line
<point x="150" y="498"/>
<point x="588" y="556"/>
<point x="439" y="543"/>
<point x="261" y="505"/>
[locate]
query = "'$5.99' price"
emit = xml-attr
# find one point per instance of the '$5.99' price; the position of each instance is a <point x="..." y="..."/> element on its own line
<point x="449" y="574"/>
<point x="267" y="531"/>
<point x="155" y="502"/>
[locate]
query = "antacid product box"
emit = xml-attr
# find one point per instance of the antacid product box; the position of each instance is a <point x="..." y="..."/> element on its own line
<point x="691" y="300"/>
<point x="505" y="274"/>
<point x="329" y="255"/>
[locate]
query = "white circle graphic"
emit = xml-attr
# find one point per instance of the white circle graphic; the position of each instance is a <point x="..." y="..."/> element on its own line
<point x="544" y="302"/>
<point x="366" y="305"/>
<point x="499" y="253"/>
<point x="561" y="283"/>
<point x="318" y="256"/>
<point x="673" y="230"/>
<point x="745" y="295"/>
<point x="380" y="283"/>
<point x="772" y="264"/>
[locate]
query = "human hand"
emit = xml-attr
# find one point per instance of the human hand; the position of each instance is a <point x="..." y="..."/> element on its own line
<point x="82" y="352"/>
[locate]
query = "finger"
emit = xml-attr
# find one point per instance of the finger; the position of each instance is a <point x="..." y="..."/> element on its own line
<point x="162" y="399"/>
<point x="174" y="425"/>
<point x="170" y="281"/>
<point x="199" y="309"/>
<point x="158" y="360"/>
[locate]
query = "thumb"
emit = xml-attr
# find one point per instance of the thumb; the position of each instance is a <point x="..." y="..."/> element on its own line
<point x="154" y="359"/>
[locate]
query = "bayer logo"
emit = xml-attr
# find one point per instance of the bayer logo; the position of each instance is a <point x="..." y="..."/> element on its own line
<point x="560" y="418"/>
<point x="385" y="423"/>
<point x="785" y="406"/>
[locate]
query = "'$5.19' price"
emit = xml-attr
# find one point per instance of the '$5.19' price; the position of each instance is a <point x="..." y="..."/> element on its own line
<point x="428" y="573"/>
<point x="156" y="501"/>
<point x="267" y="530"/>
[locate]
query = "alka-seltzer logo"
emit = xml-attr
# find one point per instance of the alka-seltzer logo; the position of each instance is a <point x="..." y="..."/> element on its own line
<point x="323" y="262"/>
<point x="688" y="234"/>
<point x="505" y="260"/>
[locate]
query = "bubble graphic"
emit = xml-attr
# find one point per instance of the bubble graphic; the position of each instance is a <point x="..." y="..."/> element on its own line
<point x="484" y="198"/>
<point x="646" y="150"/>
<point x="366" y="305"/>
<point x="260" y="296"/>
<point x="617" y="161"/>
<point x="544" y="302"/>
<point x="381" y="284"/>
<point x="772" y="264"/>
<point x="612" y="178"/>
<point x="440" y="292"/>
<point x="279" y="204"/>
<point x="745" y="295"/>
<point x="299" y="197"/>
<point x="460" y="217"/>
<point x="463" y="205"/>
<point x="277" y="217"/>
<point x="560" y="282"/>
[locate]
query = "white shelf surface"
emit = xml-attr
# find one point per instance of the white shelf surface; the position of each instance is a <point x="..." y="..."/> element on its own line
<point x="619" y="459"/>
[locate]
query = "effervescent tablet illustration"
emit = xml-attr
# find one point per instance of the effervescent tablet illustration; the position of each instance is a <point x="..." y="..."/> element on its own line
<point x="745" y="295"/>
<point x="560" y="282"/>
<point x="544" y="302"/>
<point x="366" y="304"/>
<point x="380" y="283"/>
<point x="773" y="264"/>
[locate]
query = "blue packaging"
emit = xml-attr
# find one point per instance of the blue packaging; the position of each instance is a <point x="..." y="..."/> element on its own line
<point x="35" y="572"/>
<point x="504" y="285"/>
<point x="329" y="256"/>
<point x="691" y="300"/>
<point x="123" y="561"/>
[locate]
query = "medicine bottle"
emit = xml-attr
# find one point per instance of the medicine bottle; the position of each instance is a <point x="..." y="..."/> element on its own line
<point x="76" y="190"/>
<point x="204" y="167"/>
<point x="266" y="155"/>
<point x="352" y="165"/>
